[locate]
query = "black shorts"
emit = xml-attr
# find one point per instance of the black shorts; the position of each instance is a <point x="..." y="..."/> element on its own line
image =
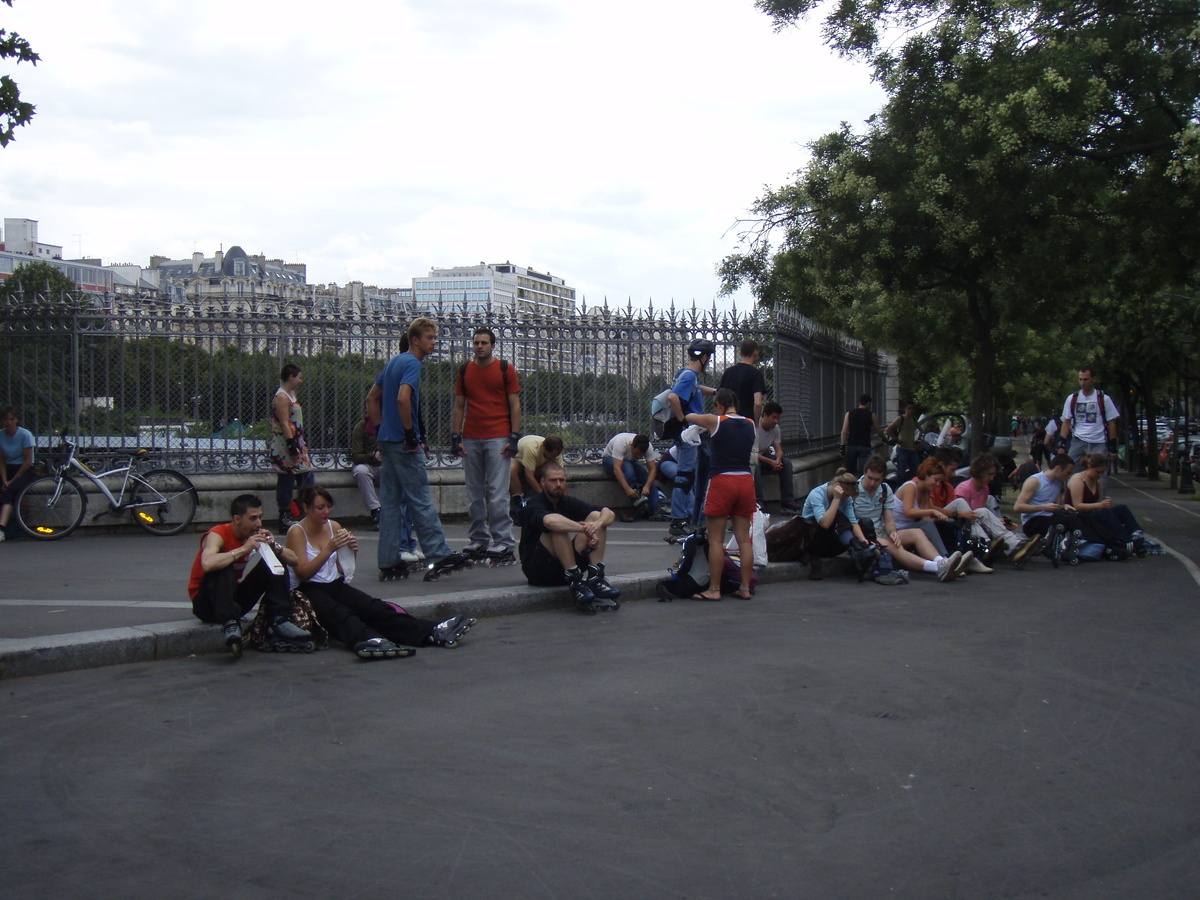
<point x="542" y="568"/>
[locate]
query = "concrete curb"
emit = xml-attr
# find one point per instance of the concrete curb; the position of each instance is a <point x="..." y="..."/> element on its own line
<point x="24" y="657"/>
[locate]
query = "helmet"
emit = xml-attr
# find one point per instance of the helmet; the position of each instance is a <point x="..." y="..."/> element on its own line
<point x="700" y="346"/>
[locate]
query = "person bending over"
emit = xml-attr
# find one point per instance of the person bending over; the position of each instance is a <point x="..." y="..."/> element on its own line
<point x="830" y="506"/>
<point x="632" y="460"/>
<point x="562" y="542"/>
<point x="373" y="629"/>
<point x="1044" y="509"/>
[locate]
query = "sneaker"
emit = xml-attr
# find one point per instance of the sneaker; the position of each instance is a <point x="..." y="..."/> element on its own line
<point x="946" y="566"/>
<point x="895" y="576"/>
<point x="978" y="568"/>
<point x="964" y="560"/>
<point x="410" y="557"/>
<point x="232" y="633"/>
<point x="1" y="535"/>
<point x="286" y="521"/>
<point x="1018" y="555"/>
<point x="789" y="506"/>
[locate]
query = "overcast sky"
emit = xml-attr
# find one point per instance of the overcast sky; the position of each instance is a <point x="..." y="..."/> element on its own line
<point x="613" y="144"/>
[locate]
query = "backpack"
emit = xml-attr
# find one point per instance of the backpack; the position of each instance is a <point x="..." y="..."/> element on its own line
<point x="693" y="560"/>
<point x="663" y="424"/>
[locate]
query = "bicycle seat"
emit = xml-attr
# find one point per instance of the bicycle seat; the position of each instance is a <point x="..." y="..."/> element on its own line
<point x="140" y="453"/>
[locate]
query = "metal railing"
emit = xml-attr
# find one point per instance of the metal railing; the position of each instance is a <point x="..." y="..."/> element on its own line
<point x="195" y="383"/>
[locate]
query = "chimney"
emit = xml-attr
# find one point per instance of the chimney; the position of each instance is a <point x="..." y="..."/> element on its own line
<point x="197" y="259"/>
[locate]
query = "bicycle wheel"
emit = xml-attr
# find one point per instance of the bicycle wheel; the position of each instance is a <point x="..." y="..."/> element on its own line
<point x="164" y="502"/>
<point x="47" y="511"/>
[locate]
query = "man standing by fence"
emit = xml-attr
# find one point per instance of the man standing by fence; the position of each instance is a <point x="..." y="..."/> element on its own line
<point x="395" y="399"/>
<point x="485" y="430"/>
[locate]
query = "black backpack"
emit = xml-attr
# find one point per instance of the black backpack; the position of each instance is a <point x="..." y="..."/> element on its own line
<point x="680" y="583"/>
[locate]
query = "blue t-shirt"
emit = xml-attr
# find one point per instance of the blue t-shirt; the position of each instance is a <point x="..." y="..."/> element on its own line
<point x="400" y="370"/>
<point x="13" y="447"/>
<point x="687" y="389"/>
<point x="816" y="504"/>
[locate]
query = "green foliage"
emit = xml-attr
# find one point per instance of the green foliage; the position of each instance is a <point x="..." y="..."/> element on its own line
<point x="1030" y="158"/>
<point x="37" y="281"/>
<point x="14" y="111"/>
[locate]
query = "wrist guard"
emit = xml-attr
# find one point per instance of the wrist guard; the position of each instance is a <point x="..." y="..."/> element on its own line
<point x="293" y="447"/>
<point x="513" y="440"/>
<point x="1112" y="445"/>
<point x="456" y="443"/>
<point x="410" y="438"/>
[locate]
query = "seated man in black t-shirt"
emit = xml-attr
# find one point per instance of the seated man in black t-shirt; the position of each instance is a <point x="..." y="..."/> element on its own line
<point x="562" y="542"/>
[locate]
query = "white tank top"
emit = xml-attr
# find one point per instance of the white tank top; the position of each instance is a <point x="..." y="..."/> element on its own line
<point x="327" y="573"/>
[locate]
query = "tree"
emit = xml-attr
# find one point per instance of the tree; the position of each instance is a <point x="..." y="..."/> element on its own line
<point x="14" y="111"/>
<point x="1029" y="156"/>
<point x="37" y="281"/>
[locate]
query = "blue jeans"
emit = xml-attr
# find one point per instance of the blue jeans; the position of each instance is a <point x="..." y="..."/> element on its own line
<point x="906" y="463"/>
<point x="635" y="477"/>
<point x="682" y="501"/>
<point x="403" y="479"/>
<point x="285" y="487"/>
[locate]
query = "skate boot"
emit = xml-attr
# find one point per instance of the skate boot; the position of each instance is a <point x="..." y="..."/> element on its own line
<point x="452" y="563"/>
<point x="380" y="648"/>
<point x="1054" y="545"/>
<point x="474" y="552"/>
<point x="449" y="633"/>
<point x="678" y="528"/>
<point x="599" y="584"/>
<point x="286" y="637"/>
<point x="500" y="556"/>
<point x="1139" y="543"/>
<point x="865" y="559"/>
<point x="1072" y="544"/>
<point x="232" y="633"/>
<point x="581" y="593"/>
<point x="391" y="573"/>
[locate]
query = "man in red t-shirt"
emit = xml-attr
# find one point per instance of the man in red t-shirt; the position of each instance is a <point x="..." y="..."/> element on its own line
<point x="221" y="589"/>
<point x="486" y="429"/>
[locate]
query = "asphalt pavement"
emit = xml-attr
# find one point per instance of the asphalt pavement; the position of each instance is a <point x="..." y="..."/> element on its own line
<point x="1032" y="733"/>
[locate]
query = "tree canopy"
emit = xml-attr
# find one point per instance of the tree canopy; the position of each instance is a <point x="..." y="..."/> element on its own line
<point x="1030" y="158"/>
<point x="14" y="111"/>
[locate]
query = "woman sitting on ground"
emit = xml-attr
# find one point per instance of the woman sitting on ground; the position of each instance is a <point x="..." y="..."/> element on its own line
<point x="372" y="628"/>
<point x="1086" y="493"/>
<point x="730" y="490"/>
<point x="972" y="495"/>
<point x="915" y="508"/>
<point x="830" y="506"/>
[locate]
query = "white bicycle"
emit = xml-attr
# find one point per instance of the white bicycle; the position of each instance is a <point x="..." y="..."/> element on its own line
<point x="50" y="507"/>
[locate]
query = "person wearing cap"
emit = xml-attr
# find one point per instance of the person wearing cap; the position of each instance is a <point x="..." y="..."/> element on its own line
<point x="687" y="396"/>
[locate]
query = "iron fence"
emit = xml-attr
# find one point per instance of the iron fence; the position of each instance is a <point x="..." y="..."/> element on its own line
<point x="194" y="384"/>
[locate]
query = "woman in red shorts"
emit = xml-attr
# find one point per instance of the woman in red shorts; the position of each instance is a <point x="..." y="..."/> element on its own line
<point x="730" y="490"/>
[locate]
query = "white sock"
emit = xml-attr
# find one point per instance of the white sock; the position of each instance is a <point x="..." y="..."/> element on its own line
<point x="931" y="565"/>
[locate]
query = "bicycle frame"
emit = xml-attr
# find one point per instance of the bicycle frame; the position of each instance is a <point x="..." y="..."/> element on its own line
<point x="116" y="505"/>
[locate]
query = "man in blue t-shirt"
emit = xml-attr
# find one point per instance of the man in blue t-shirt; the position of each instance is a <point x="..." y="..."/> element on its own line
<point x="395" y="403"/>
<point x="687" y="396"/>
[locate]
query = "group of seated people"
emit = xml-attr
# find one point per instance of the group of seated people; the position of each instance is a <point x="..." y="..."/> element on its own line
<point x="304" y="587"/>
<point x="931" y="524"/>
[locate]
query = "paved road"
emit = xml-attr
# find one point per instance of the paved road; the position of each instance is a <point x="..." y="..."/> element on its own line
<point x="1028" y="734"/>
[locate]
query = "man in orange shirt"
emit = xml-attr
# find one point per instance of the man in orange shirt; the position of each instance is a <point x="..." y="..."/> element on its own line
<point x="487" y="427"/>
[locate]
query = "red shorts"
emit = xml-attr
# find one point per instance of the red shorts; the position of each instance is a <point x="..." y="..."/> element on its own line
<point x="730" y="494"/>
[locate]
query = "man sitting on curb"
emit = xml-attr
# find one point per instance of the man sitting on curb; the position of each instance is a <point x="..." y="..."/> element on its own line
<point x="223" y="590"/>
<point x="771" y="460"/>
<point x="562" y="542"/>
<point x="623" y="458"/>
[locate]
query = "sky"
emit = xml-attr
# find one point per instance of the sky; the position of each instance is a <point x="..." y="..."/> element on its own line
<point x="615" y="144"/>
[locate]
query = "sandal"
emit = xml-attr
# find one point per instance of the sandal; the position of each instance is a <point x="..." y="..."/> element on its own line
<point x="704" y="595"/>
